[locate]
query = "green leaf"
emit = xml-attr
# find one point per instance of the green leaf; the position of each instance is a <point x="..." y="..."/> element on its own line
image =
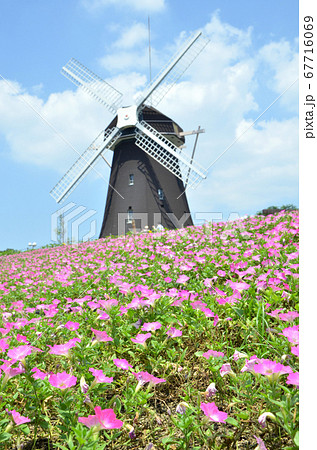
<point x="167" y="440"/>
<point x="200" y="353"/>
<point x="61" y="446"/>
<point x="117" y="405"/>
<point x="296" y="438"/>
<point x="25" y="429"/>
<point x="232" y="421"/>
<point x="244" y="415"/>
<point x="5" y="436"/>
<point x="280" y="404"/>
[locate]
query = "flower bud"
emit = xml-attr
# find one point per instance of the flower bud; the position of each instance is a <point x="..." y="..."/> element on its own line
<point x="226" y="370"/>
<point x="149" y="446"/>
<point x="88" y="401"/>
<point x="158" y="420"/>
<point x="181" y="407"/>
<point x="131" y="431"/>
<point x="262" y="418"/>
<point x="285" y="358"/>
<point x="211" y="390"/>
<point x="83" y="385"/>
<point x="237" y="355"/>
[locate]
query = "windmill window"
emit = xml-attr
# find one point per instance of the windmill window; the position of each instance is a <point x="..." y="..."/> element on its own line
<point x="160" y="194"/>
<point x="131" y="179"/>
<point x="130" y="214"/>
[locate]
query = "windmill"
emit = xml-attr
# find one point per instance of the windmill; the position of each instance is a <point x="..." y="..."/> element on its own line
<point x="148" y="167"/>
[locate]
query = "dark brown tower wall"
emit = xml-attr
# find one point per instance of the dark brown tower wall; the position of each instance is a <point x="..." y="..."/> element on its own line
<point x="142" y="196"/>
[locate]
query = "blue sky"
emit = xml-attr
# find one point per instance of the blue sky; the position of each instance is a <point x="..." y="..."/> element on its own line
<point x="251" y="59"/>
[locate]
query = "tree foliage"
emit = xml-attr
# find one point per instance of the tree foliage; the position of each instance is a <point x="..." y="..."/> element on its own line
<point x="276" y="209"/>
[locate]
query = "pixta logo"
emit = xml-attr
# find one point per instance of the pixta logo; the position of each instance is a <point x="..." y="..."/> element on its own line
<point x="68" y="221"/>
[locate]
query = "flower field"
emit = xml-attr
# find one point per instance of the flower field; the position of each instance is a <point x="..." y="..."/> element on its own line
<point x="184" y="339"/>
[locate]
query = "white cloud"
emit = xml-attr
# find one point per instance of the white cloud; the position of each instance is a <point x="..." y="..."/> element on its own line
<point x="234" y="41"/>
<point x="280" y="60"/>
<point x="124" y="61"/>
<point x="132" y="36"/>
<point x="149" y="6"/>
<point x="26" y="119"/>
<point x="130" y="52"/>
<point x="259" y="170"/>
<point x="283" y="60"/>
<point x="128" y="84"/>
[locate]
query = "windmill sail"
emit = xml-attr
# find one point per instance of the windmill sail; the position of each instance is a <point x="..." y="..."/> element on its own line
<point x="162" y="150"/>
<point x="170" y="74"/>
<point x="94" y="85"/>
<point x="84" y="164"/>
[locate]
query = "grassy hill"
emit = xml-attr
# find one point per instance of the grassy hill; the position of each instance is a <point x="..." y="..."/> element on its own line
<point x="184" y="339"/>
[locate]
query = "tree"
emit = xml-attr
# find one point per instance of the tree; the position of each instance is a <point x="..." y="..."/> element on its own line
<point x="276" y="209"/>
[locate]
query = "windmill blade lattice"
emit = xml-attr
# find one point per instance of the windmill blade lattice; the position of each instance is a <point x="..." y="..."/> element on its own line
<point x="102" y="91"/>
<point x="175" y="68"/>
<point x="84" y="164"/>
<point x="162" y="150"/>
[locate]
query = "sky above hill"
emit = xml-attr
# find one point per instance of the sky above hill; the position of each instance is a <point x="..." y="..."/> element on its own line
<point x="248" y="73"/>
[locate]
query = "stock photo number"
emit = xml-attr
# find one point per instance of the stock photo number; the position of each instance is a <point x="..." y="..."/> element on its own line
<point x="310" y="101"/>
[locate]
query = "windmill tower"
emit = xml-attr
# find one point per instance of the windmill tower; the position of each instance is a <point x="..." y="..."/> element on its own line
<point x="146" y="186"/>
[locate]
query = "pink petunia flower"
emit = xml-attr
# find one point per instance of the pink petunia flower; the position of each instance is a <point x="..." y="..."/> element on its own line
<point x="250" y="363"/>
<point x="292" y="334"/>
<point x="271" y="369"/>
<point x="103" y="419"/>
<point x="174" y="332"/>
<point x="20" y="353"/>
<point x="21" y="338"/>
<point x="198" y="304"/>
<point x="101" y="336"/>
<point x="18" y="419"/>
<point x="141" y="338"/>
<point x="213" y="353"/>
<point x="182" y="279"/>
<point x="4" y="344"/>
<point x="226" y="370"/>
<point x="90" y="421"/>
<point x="151" y="326"/>
<point x="275" y="313"/>
<point x="100" y="376"/>
<point x="221" y="273"/>
<point x="122" y="364"/>
<point x="63" y="349"/>
<point x="213" y="413"/>
<point x="102" y="315"/>
<point x="145" y="377"/>
<point x="9" y="371"/>
<point x="38" y="374"/>
<point x="295" y="350"/>
<point x="238" y="286"/>
<point x="208" y="312"/>
<point x="293" y="378"/>
<point x="290" y="316"/>
<point x="73" y="326"/>
<point x="62" y="380"/>
<point x="6" y="330"/>
<point x="107" y="304"/>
